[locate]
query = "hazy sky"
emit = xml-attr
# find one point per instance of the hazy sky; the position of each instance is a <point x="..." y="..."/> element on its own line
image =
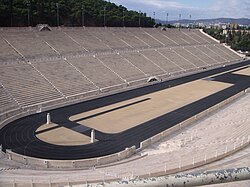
<point x="197" y="8"/>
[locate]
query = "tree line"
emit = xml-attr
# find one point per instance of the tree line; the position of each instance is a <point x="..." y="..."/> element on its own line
<point x="70" y="13"/>
<point x="238" y="40"/>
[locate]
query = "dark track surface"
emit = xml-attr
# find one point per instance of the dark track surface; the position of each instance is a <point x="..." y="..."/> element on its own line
<point x="19" y="136"/>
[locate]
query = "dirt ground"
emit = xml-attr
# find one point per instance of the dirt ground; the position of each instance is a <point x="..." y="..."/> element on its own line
<point x="130" y="113"/>
<point x="61" y="136"/>
<point x="153" y="105"/>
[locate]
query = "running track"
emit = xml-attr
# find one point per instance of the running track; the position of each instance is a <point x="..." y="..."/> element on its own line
<point x="19" y="136"/>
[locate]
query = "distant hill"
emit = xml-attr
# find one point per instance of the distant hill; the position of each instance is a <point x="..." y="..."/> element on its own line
<point x="240" y="21"/>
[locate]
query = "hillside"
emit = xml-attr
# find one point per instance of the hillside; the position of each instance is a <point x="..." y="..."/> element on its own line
<point x="71" y="13"/>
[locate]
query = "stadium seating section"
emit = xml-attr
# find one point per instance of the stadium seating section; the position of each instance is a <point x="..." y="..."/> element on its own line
<point x="40" y="67"/>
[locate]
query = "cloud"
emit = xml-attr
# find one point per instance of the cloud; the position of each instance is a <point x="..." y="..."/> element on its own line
<point x="208" y="9"/>
<point x="160" y="3"/>
<point x="231" y="8"/>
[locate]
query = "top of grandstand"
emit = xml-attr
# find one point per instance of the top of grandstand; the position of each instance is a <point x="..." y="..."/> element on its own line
<point x="43" y="27"/>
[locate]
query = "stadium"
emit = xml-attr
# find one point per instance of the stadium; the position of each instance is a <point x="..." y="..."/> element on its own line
<point x="88" y="105"/>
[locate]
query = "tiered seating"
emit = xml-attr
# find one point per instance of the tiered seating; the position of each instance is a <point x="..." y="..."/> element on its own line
<point x="98" y="58"/>
<point x="129" y="37"/>
<point x="29" y="45"/>
<point x="204" y="37"/>
<point x="108" y="38"/>
<point x="6" y="102"/>
<point x="86" y="40"/>
<point x="145" y="37"/>
<point x="125" y="69"/>
<point x="169" y="34"/>
<point x="227" y="51"/>
<point x="65" y="77"/>
<point x="159" y="36"/>
<point x="182" y="34"/>
<point x="190" y="57"/>
<point x="7" y="53"/>
<point x="195" y="37"/>
<point x="162" y="61"/>
<point x="96" y="71"/>
<point x="61" y="43"/>
<point x="212" y="54"/>
<point x="180" y="61"/>
<point x="201" y="55"/>
<point x="219" y="52"/>
<point x="26" y="85"/>
<point x="142" y="63"/>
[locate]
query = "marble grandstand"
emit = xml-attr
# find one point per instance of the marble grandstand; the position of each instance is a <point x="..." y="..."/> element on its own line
<point x="38" y="69"/>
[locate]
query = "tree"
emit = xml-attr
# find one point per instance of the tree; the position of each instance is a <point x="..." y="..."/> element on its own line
<point x="14" y="13"/>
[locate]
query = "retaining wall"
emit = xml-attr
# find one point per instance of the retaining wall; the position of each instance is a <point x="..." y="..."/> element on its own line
<point x="187" y="122"/>
<point x="65" y="164"/>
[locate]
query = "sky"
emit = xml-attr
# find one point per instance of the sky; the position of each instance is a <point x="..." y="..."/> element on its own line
<point x="198" y="9"/>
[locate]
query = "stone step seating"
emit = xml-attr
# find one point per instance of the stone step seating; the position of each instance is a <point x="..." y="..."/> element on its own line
<point x="7" y="53"/>
<point x="197" y="52"/>
<point x="65" y="77"/>
<point x="188" y="38"/>
<point x="221" y="54"/>
<point x="162" y="61"/>
<point x="147" y="66"/>
<point x="142" y="35"/>
<point x="204" y="37"/>
<point x="128" y="37"/>
<point x="96" y="71"/>
<point x="63" y="44"/>
<point x="108" y="38"/>
<point x="190" y="57"/>
<point x="156" y="33"/>
<point x="26" y="85"/>
<point x="233" y="55"/>
<point x="29" y="45"/>
<point x="212" y="54"/>
<point x="86" y="40"/>
<point x="6" y="102"/>
<point x="172" y="34"/>
<point x="125" y="69"/>
<point x="181" y="62"/>
<point x="193" y="35"/>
